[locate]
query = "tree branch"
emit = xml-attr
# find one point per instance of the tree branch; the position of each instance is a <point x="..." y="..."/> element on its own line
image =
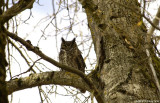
<point x="152" y="28"/>
<point x="15" y="10"/>
<point x="148" y="40"/>
<point x="46" y="78"/>
<point x="52" y="61"/>
<point x="36" y="50"/>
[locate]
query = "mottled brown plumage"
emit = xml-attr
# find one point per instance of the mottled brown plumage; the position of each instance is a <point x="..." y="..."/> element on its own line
<point x="71" y="56"/>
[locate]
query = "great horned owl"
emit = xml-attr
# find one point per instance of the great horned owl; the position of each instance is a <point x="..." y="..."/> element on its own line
<point x="71" y="56"/>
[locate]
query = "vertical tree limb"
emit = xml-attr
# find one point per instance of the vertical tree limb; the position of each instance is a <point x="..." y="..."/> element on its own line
<point x="148" y="39"/>
<point x="3" y="64"/>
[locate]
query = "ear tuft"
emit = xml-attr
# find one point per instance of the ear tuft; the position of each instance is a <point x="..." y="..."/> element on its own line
<point x="62" y="39"/>
<point x="74" y="40"/>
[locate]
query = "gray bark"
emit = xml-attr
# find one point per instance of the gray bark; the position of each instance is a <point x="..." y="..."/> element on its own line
<point x="125" y="75"/>
<point x="4" y="17"/>
<point x="46" y="78"/>
<point x="119" y="45"/>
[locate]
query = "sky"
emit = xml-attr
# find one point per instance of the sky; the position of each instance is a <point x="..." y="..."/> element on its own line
<point x="33" y="30"/>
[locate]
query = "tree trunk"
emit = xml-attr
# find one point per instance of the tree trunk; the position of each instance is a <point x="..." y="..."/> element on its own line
<point x="3" y="63"/>
<point x="118" y="34"/>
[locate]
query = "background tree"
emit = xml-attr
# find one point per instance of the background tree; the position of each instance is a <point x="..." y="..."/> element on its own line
<point x="127" y="65"/>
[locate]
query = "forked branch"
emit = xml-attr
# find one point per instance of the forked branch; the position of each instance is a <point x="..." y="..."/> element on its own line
<point x="52" y="61"/>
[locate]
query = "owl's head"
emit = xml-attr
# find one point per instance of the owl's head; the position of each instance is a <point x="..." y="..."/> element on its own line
<point x="68" y="45"/>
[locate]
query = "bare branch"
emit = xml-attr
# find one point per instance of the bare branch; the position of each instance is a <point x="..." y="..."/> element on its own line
<point x="46" y="78"/>
<point x="148" y="39"/>
<point x="30" y="69"/>
<point x="52" y="61"/>
<point x="43" y="56"/>
<point x="152" y="29"/>
<point x="16" y="9"/>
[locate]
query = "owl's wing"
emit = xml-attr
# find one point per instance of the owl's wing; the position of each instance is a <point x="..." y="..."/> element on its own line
<point x="81" y="63"/>
<point x="61" y="58"/>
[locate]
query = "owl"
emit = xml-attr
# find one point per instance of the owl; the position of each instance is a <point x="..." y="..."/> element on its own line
<point x="71" y="56"/>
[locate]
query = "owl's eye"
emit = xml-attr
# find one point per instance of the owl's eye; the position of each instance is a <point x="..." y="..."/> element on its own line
<point x="63" y="47"/>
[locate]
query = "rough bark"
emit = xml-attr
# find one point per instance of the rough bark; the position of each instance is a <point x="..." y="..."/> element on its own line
<point x="15" y="10"/>
<point x="88" y="79"/>
<point x="119" y="45"/>
<point x="3" y="64"/>
<point x="122" y="73"/>
<point x="46" y="78"/>
<point x="4" y="17"/>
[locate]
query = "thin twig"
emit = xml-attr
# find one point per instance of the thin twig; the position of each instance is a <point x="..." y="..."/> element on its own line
<point x="30" y="68"/>
<point x="88" y="81"/>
